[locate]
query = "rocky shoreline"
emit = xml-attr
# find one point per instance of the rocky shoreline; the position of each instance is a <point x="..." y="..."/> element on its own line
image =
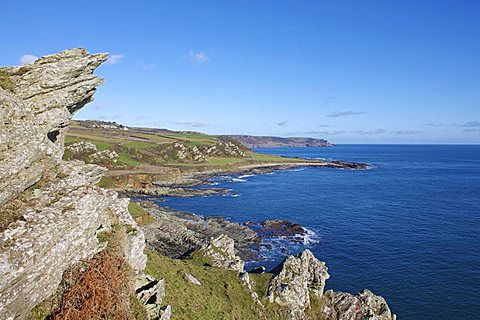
<point x="177" y="234"/>
<point x="187" y="184"/>
<point x="62" y="229"/>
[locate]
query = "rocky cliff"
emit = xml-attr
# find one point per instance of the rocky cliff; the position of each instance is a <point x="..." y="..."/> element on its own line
<point x="51" y="211"/>
<point x="56" y="222"/>
<point x="274" y="142"/>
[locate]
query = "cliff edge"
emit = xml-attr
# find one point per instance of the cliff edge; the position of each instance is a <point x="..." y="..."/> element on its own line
<point x="51" y="211"/>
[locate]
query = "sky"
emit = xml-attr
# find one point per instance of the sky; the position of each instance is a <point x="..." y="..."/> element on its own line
<point x="348" y="71"/>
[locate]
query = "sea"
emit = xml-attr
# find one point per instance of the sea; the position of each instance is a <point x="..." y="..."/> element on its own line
<point x="407" y="228"/>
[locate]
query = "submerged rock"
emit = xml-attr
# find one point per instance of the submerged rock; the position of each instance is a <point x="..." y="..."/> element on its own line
<point x="281" y="228"/>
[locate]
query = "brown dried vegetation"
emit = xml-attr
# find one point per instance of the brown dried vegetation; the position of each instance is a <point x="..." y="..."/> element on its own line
<point x="100" y="289"/>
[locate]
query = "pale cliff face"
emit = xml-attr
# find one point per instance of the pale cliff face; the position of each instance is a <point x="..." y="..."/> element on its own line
<point x="56" y="220"/>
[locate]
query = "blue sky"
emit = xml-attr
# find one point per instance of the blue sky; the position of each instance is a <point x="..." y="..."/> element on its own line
<point x="348" y="71"/>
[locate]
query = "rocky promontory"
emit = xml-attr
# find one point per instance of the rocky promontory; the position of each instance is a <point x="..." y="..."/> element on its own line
<point x="51" y="211"/>
<point x="71" y="249"/>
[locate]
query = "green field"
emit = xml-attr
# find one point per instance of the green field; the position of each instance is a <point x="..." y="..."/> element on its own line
<point x="138" y="147"/>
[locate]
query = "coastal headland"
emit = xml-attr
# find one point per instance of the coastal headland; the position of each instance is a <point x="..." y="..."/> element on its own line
<point x="73" y="247"/>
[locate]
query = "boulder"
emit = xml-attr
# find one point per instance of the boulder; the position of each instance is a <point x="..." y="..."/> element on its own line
<point x="189" y="277"/>
<point x="222" y="252"/>
<point x="298" y="277"/>
<point x="347" y="306"/>
<point x="150" y="292"/>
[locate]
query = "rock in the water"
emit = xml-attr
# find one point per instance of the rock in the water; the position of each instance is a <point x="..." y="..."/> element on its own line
<point x="298" y="276"/>
<point x="363" y="305"/>
<point x="281" y="228"/>
<point x="192" y="279"/>
<point x="57" y="219"/>
<point x="222" y="252"/>
<point x="176" y="234"/>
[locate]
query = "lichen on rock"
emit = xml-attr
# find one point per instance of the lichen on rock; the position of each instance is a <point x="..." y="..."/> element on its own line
<point x="298" y="277"/>
<point x="222" y="252"/>
<point x="58" y="207"/>
<point x="347" y="306"/>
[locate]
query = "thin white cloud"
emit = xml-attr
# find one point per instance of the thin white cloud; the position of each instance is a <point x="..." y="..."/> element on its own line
<point x="471" y="124"/>
<point x="434" y="124"/>
<point x="370" y="132"/>
<point x="472" y="130"/>
<point x="115" y="58"/>
<point x="408" y="132"/>
<point x="336" y="114"/>
<point x="326" y="132"/>
<point x="191" y="123"/>
<point x="198" y="57"/>
<point x="149" y="66"/>
<point x="28" y="58"/>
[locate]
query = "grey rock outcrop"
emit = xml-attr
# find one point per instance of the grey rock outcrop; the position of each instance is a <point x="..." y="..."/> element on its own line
<point x="87" y="151"/>
<point x="150" y="292"/>
<point x="304" y="275"/>
<point x="222" y="252"/>
<point x="177" y="234"/>
<point x="35" y="113"/>
<point x="298" y="277"/>
<point x="58" y="218"/>
<point x="363" y="305"/>
<point x="191" y="278"/>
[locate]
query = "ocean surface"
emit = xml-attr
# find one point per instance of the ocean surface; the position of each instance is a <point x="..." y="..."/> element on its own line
<point x="407" y="229"/>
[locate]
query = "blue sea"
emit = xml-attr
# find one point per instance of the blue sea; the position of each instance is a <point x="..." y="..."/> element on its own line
<point x="407" y="229"/>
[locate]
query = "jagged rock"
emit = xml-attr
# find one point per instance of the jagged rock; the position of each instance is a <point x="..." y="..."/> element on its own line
<point x="150" y="292"/>
<point x="61" y="214"/>
<point x="223" y="149"/>
<point x="166" y="313"/>
<point x="363" y="305"/>
<point x="35" y="112"/>
<point x="86" y="150"/>
<point x="222" y="252"/>
<point x="192" y="279"/>
<point x="82" y="147"/>
<point x="281" y="228"/>
<point x="247" y="282"/>
<point x="176" y="234"/>
<point x="298" y="276"/>
<point x="104" y="156"/>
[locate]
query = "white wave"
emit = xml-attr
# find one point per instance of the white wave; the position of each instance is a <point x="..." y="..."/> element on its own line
<point x="296" y="170"/>
<point x="310" y="237"/>
<point x="246" y="176"/>
<point x="238" y="180"/>
<point x="234" y="195"/>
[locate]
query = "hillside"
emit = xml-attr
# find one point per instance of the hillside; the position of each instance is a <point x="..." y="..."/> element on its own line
<point x="275" y="142"/>
<point x="73" y="248"/>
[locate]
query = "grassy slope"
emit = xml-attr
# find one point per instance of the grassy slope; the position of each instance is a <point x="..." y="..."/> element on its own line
<point x="137" y="147"/>
<point x="220" y="295"/>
